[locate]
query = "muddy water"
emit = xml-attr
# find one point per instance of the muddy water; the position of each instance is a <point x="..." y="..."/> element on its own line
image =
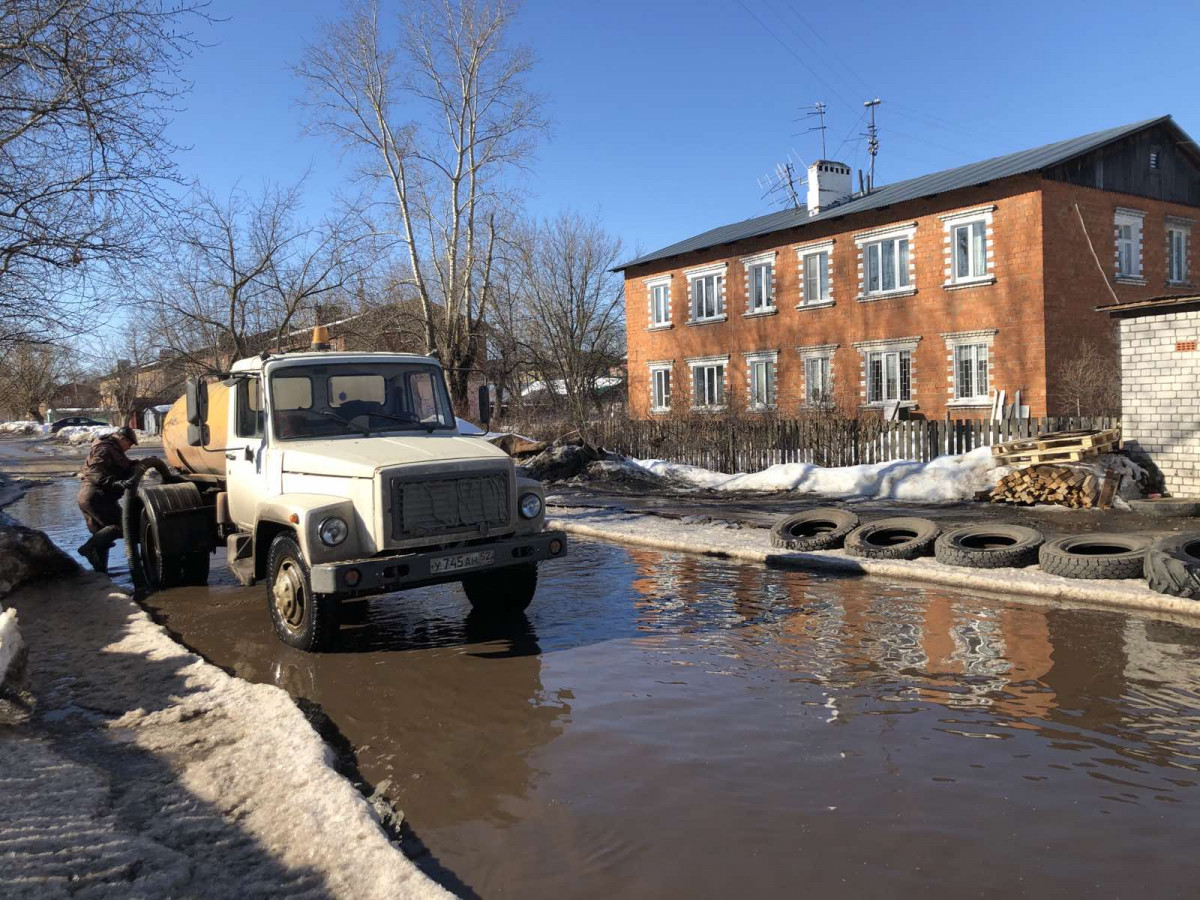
<point x="671" y="726"/>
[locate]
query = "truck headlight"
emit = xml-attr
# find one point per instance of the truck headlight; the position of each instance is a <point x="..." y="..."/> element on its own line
<point x="531" y="506"/>
<point x="333" y="531"/>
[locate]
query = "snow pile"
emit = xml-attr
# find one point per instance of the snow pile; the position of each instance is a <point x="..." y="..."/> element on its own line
<point x="24" y="427"/>
<point x="942" y="479"/>
<point x="11" y="646"/>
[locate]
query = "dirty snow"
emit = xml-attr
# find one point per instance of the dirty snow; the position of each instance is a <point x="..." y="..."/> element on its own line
<point x="10" y="642"/>
<point x="148" y="772"/>
<point x="24" y="427"/>
<point x="753" y="545"/>
<point x="941" y="479"/>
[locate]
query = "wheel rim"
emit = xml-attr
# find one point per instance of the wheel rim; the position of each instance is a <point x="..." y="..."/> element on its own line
<point x="289" y="595"/>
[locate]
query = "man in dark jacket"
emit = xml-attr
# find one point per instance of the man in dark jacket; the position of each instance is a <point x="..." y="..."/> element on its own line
<point x="106" y="474"/>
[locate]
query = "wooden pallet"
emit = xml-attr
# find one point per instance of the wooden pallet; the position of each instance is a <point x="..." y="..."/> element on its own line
<point x="1059" y="441"/>
<point x="1033" y="457"/>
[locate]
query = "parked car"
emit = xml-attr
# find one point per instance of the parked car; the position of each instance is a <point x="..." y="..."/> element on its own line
<point x="74" y="420"/>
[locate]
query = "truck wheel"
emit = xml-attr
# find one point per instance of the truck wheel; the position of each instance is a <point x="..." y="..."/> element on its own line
<point x="302" y="619"/>
<point x="503" y="592"/>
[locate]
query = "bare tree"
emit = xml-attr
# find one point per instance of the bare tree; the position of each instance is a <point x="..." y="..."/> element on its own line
<point x="29" y="374"/>
<point x="1089" y="383"/>
<point x="243" y="271"/>
<point x="573" y="323"/>
<point x="86" y="92"/>
<point x="439" y="117"/>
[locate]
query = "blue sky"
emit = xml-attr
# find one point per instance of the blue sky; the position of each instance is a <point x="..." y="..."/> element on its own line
<point x="665" y="114"/>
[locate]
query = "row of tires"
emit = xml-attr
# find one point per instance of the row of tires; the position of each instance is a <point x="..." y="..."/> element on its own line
<point x="1170" y="565"/>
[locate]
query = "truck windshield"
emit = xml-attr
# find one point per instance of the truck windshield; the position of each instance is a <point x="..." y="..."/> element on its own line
<point x="342" y="399"/>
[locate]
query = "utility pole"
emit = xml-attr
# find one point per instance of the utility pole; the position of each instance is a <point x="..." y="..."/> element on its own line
<point x="872" y="141"/>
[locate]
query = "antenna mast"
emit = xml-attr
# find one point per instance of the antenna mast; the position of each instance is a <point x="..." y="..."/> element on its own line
<point x="872" y="141"/>
<point x="817" y="110"/>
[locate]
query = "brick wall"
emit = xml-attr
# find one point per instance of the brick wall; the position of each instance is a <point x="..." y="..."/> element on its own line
<point x="1160" y="395"/>
<point x="1075" y="285"/>
<point x="1010" y="306"/>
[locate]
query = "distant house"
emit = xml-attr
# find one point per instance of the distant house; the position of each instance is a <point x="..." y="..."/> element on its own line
<point x="929" y="294"/>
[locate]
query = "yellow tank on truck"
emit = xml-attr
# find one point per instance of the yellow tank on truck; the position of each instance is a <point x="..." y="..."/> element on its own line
<point x="206" y="460"/>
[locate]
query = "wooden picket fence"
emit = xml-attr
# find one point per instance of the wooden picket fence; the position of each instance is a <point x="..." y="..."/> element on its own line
<point x="750" y="445"/>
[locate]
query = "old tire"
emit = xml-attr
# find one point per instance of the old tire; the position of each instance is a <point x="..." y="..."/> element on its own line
<point x="903" y="537"/>
<point x="1166" y="506"/>
<point x="1172" y="565"/>
<point x="989" y="546"/>
<point x="502" y="592"/>
<point x="302" y="619"/>
<point x="1094" y="556"/>
<point x="824" y="528"/>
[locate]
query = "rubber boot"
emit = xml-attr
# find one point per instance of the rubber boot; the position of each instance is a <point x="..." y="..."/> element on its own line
<point x="102" y="542"/>
<point x="89" y="552"/>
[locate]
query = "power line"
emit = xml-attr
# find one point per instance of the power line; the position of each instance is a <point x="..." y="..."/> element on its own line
<point x="796" y="55"/>
<point x="850" y="133"/>
<point x="832" y="52"/>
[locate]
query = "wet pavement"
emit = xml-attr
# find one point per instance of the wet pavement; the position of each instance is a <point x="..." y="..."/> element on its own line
<point x="664" y="725"/>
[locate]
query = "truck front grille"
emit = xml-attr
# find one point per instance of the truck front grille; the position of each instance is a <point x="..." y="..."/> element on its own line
<point x="429" y="507"/>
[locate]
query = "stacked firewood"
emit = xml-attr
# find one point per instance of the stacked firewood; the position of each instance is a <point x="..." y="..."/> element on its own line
<point x="1076" y="488"/>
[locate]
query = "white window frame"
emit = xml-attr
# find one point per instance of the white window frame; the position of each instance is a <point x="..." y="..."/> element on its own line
<point x="1179" y="239"/>
<point x="819" y="255"/>
<point x="719" y="386"/>
<point x="762" y="364"/>
<point x="1128" y="250"/>
<point x="955" y="341"/>
<point x="892" y="365"/>
<point x="822" y="356"/>
<point x="873" y="244"/>
<point x="977" y="223"/>
<point x="757" y="305"/>
<point x="898" y="349"/>
<point x="657" y="287"/>
<point x="658" y="369"/>
<point x="702" y="275"/>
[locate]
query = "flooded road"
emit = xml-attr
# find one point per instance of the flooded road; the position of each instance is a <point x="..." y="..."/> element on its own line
<point x="664" y="725"/>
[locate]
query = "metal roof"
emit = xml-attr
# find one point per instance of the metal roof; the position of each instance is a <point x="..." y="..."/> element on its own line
<point x="1164" y="304"/>
<point x="901" y="191"/>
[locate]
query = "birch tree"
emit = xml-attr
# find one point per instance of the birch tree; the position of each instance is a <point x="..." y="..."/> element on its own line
<point x="439" y="117"/>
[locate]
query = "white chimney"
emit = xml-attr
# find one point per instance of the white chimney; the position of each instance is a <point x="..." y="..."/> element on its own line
<point x="828" y="183"/>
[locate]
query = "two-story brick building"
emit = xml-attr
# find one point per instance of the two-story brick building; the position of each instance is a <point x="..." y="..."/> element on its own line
<point x="933" y="293"/>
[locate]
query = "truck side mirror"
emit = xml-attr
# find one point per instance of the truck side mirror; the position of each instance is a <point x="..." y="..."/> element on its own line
<point x="197" y="410"/>
<point x="485" y="405"/>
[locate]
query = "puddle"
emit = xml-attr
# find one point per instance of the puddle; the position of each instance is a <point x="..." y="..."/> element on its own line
<point x="664" y="725"/>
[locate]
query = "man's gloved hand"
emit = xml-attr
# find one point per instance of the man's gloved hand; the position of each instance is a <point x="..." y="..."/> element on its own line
<point x="121" y="484"/>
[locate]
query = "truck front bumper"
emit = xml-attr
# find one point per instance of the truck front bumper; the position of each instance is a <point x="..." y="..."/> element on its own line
<point x="381" y="574"/>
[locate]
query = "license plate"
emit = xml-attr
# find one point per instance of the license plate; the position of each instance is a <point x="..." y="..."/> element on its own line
<point x="443" y="564"/>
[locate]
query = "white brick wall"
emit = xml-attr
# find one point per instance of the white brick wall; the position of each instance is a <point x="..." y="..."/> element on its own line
<point x="1160" y="396"/>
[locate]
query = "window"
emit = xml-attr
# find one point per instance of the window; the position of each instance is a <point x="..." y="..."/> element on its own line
<point x="887" y="265"/>
<point x="250" y="408"/>
<point x="1177" y="267"/>
<point x="762" y="294"/>
<point x="817" y="387"/>
<point x="971" y="371"/>
<point x="816" y="277"/>
<point x="708" y="385"/>
<point x="708" y="300"/>
<point x="350" y="389"/>
<point x="969" y="243"/>
<point x="660" y="304"/>
<point x="1128" y="228"/>
<point x="660" y="389"/>
<point x="761" y="379"/>
<point x="889" y="376"/>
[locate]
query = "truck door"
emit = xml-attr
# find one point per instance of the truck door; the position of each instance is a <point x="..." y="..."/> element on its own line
<point x="245" y="460"/>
